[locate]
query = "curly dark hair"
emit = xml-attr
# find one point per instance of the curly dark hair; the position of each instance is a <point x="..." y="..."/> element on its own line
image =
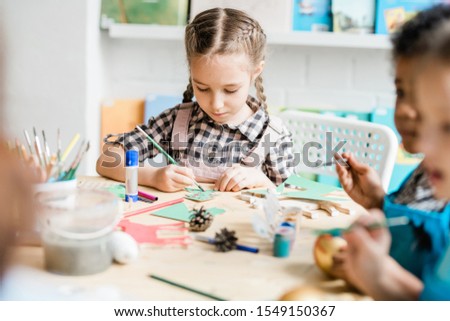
<point x="408" y="41"/>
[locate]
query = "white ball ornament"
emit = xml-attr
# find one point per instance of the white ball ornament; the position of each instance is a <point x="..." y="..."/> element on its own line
<point x="124" y="246"/>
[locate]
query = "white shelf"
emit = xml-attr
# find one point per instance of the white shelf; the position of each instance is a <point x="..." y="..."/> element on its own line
<point x="294" y="38"/>
<point x="137" y="31"/>
<point x="329" y="39"/>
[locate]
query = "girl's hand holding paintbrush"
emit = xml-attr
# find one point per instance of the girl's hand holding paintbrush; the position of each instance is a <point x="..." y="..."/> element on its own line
<point x="173" y="178"/>
<point x="360" y="181"/>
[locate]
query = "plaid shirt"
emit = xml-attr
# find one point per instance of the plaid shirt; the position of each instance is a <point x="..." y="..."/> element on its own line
<point x="213" y="142"/>
<point x="417" y="193"/>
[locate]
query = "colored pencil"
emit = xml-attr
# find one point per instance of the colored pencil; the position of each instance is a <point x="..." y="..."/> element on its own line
<point x="154" y="207"/>
<point x="69" y="148"/>
<point x="181" y="286"/>
<point x="171" y="160"/>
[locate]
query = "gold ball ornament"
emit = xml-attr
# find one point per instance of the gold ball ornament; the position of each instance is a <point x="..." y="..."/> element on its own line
<point x="325" y="248"/>
<point x="304" y="293"/>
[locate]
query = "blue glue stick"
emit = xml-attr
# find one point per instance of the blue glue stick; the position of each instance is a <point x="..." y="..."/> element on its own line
<point x="131" y="175"/>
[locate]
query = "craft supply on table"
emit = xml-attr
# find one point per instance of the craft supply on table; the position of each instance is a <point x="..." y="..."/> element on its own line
<point x="231" y="242"/>
<point x="76" y="230"/>
<point x="307" y="190"/>
<point x="331" y="210"/>
<point x="282" y="241"/>
<point x="341" y="208"/>
<point x="310" y="214"/>
<point x="185" y="287"/>
<point x="159" y="235"/>
<point x="325" y="247"/>
<point x="47" y="167"/>
<point x="180" y="212"/>
<point x="201" y="219"/>
<point x="153" y="207"/>
<point x="147" y="196"/>
<point x="131" y="175"/>
<point x="124" y="246"/>
<point x="198" y="195"/>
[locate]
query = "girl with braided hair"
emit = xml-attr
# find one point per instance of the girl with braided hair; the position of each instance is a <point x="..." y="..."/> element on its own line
<point x="223" y="136"/>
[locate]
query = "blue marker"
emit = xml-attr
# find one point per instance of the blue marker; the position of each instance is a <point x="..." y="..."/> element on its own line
<point x="131" y="175"/>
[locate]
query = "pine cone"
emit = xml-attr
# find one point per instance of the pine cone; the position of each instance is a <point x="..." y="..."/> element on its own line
<point x="225" y="240"/>
<point x="200" y="220"/>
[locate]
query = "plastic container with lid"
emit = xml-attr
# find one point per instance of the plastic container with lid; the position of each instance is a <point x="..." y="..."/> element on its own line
<point x="76" y="228"/>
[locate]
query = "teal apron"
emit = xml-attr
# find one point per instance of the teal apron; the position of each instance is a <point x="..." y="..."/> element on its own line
<point x="436" y="280"/>
<point x="418" y="245"/>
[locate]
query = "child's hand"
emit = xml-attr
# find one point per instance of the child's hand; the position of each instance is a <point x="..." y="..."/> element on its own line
<point x="361" y="262"/>
<point x="173" y="178"/>
<point x="239" y="177"/>
<point x="361" y="182"/>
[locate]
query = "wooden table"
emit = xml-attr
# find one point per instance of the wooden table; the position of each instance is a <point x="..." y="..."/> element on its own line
<point x="234" y="275"/>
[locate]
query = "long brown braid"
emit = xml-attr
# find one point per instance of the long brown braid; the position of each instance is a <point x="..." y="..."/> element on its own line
<point x="226" y="31"/>
<point x="188" y="93"/>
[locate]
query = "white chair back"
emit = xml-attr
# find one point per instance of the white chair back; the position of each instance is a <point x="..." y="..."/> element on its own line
<point x="315" y="134"/>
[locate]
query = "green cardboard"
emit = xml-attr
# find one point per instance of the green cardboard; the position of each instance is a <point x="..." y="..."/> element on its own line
<point x="180" y="212"/>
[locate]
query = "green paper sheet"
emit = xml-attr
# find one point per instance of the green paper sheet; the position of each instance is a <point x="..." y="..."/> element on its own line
<point x="310" y="190"/>
<point x="117" y="190"/>
<point x="214" y="211"/>
<point x="307" y="184"/>
<point x="180" y="212"/>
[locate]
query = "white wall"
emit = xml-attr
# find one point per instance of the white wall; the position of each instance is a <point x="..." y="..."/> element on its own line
<point x="58" y="66"/>
<point x="295" y="76"/>
<point x="45" y="67"/>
